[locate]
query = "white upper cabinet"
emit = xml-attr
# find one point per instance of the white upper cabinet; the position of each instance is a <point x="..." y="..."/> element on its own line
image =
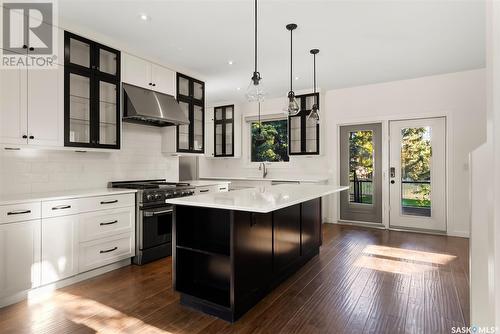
<point x="139" y="72"/>
<point x="32" y="107"/>
<point x="13" y="115"/>
<point x="46" y="107"/>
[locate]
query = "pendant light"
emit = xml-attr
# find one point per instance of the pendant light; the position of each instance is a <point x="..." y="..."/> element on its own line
<point x="314" y="114"/>
<point x="293" y="107"/>
<point x="255" y="90"/>
<point x="259" y="137"/>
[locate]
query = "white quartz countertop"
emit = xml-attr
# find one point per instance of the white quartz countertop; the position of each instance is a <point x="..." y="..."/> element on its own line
<point x="206" y="183"/>
<point x="6" y="199"/>
<point x="261" y="199"/>
<point x="276" y="179"/>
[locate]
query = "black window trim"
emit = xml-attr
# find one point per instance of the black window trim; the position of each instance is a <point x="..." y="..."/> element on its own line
<point x="303" y="122"/>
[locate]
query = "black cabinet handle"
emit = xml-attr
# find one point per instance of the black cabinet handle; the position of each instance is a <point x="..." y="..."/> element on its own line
<point x="109" y="202"/>
<point x="150" y="84"/>
<point x="32" y="49"/>
<point x="154" y="85"/>
<point x="204" y="191"/>
<point x="25" y="137"/>
<point x="108" y="250"/>
<point x="222" y="188"/>
<point x="32" y="137"/>
<point x="110" y="223"/>
<point x="61" y="207"/>
<point x="25" y="46"/>
<point x="19" y="212"/>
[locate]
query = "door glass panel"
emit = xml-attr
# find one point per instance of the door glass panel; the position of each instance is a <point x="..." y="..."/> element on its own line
<point x="197" y="91"/>
<point x="183" y="86"/>
<point x="416" y="153"/>
<point x="79" y="106"/>
<point x="361" y="167"/>
<point x="295" y="135"/>
<point x="79" y="53"/>
<point x="229" y="138"/>
<point x="198" y="128"/>
<point x="218" y="114"/>
<point x="107" y="113"/>
<point x="183" y="130"/>
<point x="229" y="112"/>
<point x="218" y="139"/>
<point x="107" y="62"/>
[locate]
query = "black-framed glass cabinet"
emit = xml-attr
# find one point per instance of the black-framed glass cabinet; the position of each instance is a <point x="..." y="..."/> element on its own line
<point x="224" y="131"/>
<point x="92" y="115"/>
<point x="303" y="133"/>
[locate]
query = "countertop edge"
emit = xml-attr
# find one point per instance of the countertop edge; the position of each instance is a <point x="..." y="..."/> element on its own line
<point x="42" y="197"/>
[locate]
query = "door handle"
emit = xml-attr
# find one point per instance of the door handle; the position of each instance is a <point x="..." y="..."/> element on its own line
<point x="392" y="181"/>
<point x="393" y="172"/>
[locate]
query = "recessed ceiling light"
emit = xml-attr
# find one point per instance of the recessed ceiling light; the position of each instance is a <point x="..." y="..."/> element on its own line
<point x="238" y="88"/>
<point x="297" y="78"/>
<point x="144" y="17"/>
<point x="230" y="62"/>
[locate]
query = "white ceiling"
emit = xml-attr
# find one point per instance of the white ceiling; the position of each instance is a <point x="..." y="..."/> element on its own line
<point x="361" y="42"/>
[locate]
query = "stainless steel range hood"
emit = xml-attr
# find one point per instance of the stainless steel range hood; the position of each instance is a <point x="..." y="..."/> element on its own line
<point x="151" y="108"/>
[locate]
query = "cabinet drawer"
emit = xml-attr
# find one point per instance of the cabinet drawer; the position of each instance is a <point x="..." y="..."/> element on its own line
<point x="107" y="202"/>
<point x="100" y="224"/>
<point x="98" y="253"/>
<point x="59" y="208"/>
<point x="19" y="212"/>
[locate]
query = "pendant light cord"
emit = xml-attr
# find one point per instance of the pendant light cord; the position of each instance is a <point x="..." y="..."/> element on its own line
<point x="255" y="36"/>
<point x="291" y="59"/>
<point x="314" y="61"/>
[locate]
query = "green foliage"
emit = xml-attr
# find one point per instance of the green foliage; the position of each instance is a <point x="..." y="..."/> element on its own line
<point x="361" y="155"/>
<point x="275" y="148"/>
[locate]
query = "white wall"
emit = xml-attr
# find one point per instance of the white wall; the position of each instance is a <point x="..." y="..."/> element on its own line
<point x="458" y="96"/>
<point x="33" y="170"/>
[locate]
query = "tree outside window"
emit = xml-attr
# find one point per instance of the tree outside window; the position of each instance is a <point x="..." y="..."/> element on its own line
<point x="275" y="148"/>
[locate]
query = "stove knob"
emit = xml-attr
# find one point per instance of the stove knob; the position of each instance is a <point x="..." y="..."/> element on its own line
<point x="149" y="197"/>
<point x="157" y="196"/>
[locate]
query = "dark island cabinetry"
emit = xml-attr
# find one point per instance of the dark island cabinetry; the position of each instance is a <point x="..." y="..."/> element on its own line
<point x="225" y="261"/>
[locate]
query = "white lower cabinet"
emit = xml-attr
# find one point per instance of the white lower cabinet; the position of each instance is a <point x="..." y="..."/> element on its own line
<point x="59" y="248"/>
<point x="19" y="256"/>
<point x="100" y="252"/>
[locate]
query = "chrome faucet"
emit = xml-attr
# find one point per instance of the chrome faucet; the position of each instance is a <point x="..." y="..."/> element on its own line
<point x="263" y="168"/>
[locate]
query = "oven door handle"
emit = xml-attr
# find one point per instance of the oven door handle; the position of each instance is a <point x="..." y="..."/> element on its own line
<point x="156" y="213"/>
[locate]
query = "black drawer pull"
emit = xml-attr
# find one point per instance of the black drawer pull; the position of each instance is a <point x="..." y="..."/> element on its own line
<point x="222" y="188"/>
<point x="204" y="191"/>
<point x="20" y="212"/>
<point x="108" y="250"/>
<point x="109" y="202"/>
<point x="61" y="207"/>
<point x="110" y="223"/>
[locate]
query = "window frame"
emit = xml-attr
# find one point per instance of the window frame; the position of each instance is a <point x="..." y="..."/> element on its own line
<point x="224" y="121"/>
<point x="264" y="119"/>
<point x="303" y="126"/>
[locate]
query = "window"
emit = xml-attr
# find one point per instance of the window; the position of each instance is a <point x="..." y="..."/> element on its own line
<point x="224" y="134"/>
<point x="275" y="148"/>
<point x="304" y="133"/>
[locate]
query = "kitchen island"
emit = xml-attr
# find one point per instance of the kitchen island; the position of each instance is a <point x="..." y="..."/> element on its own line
<point x="230" y="249"/>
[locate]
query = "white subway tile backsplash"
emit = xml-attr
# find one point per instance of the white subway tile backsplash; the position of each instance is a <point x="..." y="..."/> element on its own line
<point x="32" y="170"/>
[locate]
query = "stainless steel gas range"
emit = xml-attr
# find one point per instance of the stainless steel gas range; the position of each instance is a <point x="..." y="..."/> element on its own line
<point x="154" y="216"/>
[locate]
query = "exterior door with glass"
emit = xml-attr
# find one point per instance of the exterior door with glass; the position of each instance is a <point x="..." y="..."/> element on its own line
<point x="418" y="174"/>
<point x="361" y="170"/>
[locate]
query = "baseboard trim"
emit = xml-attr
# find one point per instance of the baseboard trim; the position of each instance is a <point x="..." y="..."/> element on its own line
<point x="43" y="291"/>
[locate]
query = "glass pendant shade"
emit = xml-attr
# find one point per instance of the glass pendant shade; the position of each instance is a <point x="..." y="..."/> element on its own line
<point x="259" y="137"/>
<point x="314" y="115"/>
<point x="293" y="106"/>
<point x="255" y="91"/>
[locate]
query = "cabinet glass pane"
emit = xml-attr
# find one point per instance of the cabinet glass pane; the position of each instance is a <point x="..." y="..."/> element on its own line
<point x="218" y="139"/>
<point x="79" y="53"/>
<point x="198" y="128"/>
<point x="107" y="113"/>
<point x="229" y="112"/>
<point x="229" y="138"/>
<point x="310" y="102"/>
<point x="295" y="135"/>
<point x="184" y="129"/>
<point x="183" y="88"/>
<point x="107" y="62"/>
<point x="197" y="91"/>
<point x="218" y="114"/>
<point x="79" y="106"/>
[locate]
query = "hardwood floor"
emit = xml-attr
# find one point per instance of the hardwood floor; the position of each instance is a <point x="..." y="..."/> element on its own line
<point x="363" y="281"/>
